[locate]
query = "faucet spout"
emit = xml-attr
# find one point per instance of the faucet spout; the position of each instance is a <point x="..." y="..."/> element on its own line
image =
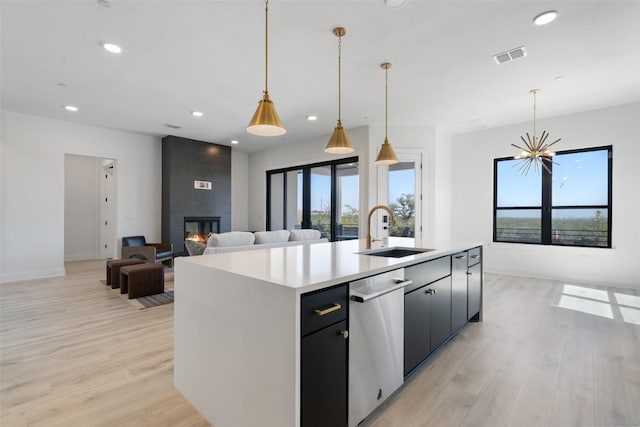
<point x="373" y="209"/>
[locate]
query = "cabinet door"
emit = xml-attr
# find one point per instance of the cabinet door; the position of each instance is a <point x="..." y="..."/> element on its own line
<point x="458" y="291"/>
<point x="440" y="312"/>
<point x="417" y="328"/>
<point x="475" y="290"/>
<point x="324" y="380"/>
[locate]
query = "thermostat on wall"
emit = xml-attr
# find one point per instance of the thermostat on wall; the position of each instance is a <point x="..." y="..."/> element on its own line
<point x="202" y="185"/>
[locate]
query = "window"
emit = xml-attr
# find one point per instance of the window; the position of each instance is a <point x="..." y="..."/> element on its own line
<point x="569" y="207"/>
<point x="323" y="196"/>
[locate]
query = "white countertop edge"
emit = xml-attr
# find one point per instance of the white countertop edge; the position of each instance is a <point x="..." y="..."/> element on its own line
<point x="282" y="266"/>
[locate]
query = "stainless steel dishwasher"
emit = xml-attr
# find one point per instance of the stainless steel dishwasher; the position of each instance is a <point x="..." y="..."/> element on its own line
<point x="376" y="341"/>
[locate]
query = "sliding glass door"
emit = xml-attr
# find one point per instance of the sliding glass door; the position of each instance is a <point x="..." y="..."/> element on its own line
<point x="321" y="196"/>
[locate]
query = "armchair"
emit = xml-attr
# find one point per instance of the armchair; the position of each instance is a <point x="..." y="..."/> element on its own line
<point x="137" y="247"/>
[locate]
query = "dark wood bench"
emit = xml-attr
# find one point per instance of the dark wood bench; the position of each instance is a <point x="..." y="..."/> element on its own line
<point x="113" y="270"/>
<point x="141" y="280"/>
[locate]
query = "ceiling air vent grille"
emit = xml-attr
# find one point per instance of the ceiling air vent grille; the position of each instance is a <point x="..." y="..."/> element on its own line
<point x="510" y="55"/>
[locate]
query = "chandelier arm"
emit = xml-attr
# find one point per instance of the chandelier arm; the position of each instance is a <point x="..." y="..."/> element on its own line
<point x="546" y="167"/>
<point x="519" y="148"/>
<point x="528" y="144"/>
<point x="544" y="137"/>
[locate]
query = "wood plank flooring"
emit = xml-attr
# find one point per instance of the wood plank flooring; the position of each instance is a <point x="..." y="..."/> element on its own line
<point x="73" y="353"/>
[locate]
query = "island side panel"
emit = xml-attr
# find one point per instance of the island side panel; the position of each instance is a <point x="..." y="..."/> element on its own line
<point x="235" y="347"/>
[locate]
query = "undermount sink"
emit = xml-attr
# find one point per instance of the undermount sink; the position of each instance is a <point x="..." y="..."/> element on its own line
<point x="395" y="252"/>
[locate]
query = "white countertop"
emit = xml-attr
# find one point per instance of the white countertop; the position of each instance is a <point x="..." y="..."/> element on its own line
<point x="309" y="267"/>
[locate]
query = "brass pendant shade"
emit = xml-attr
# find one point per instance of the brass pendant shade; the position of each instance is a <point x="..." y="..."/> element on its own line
<point x="265" y="121"/>
<point x="339" y="141"/>
<point x="386" y="156"/>
<point x="536" y="151"/>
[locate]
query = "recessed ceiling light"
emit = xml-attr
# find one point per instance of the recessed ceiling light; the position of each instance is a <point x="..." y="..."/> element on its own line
<point x="110" y="47"/>
<point x="312" y="118"/>
<point x="104" y="3"/>
<point x="545" y="17"/>
<point x="197" y="113"/>
<point x="395" y="3"/>
<point x="233" y="141"/>
<point x="72" y="108"/>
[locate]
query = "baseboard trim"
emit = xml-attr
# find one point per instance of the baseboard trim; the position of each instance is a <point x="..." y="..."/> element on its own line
<point x="30" y="275"/>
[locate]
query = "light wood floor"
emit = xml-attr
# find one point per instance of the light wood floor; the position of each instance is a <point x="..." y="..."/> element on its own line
<point x="72" y="353"/>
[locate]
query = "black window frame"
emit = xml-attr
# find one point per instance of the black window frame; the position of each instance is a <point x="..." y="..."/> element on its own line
<point x="306" y="192"/>
<point x="546" y="207"/>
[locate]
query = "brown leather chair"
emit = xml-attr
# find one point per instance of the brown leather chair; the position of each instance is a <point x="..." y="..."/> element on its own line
<point x="137" y="247"/>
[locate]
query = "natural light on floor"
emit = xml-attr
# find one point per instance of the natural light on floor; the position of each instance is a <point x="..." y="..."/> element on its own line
<point x="598" y="303"/>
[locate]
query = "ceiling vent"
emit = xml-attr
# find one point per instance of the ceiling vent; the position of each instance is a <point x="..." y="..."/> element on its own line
<point x="510" y="55"/>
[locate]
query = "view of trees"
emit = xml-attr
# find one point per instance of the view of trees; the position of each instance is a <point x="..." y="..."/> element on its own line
<point x="404" y="210"/>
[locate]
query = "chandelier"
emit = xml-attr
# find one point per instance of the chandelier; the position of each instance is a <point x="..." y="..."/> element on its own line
<point x="536" y="151"/>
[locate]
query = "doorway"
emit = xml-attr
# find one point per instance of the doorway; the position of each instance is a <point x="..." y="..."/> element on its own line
<point x="89" y="208"/>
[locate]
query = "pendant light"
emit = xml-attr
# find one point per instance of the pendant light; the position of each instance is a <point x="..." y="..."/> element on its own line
<point x="537" y="151"/>
<point x="386" y="156"/>
<point x="339" y="141"/>
<point x="265" y="121"/>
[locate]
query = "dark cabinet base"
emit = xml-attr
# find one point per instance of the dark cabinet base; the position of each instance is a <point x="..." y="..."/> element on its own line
<point x="324" y="378"/>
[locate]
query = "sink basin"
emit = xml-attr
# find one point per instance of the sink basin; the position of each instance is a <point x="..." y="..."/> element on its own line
<point x="396" y="252"/>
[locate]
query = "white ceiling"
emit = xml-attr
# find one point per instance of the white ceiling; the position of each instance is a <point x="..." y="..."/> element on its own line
<point x="209" y="56"/>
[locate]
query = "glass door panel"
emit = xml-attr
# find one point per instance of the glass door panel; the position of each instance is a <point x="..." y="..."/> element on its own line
<point x="402" y="195"/>
<point x="276" y="210"/>
<point x="294" y="200"/>
<point x="321" y="200"/>
<point x="347" y="209"/>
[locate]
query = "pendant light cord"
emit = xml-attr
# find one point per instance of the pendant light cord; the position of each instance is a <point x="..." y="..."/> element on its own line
<point x="339" y="77"/>
<point x="534" y="115"/>
<point x="386" y="101"/>
<point x="266" y="44"/>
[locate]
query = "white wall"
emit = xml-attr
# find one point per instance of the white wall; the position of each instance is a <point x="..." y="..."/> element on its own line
<point x="239" y="190"/>
<point x="32" y="179"/>
<point x="81" y="207"/>
<point x="472" y="194"/>
<point x="301" y="153"/>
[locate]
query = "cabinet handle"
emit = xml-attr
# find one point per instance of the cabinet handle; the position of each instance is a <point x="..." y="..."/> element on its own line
<point x="469" y="273"/>
<point x="345" y="334"/>
<point x="331" y="309"/>
<point x="475" y="256"/>
<point x="460" y="257"/>
<point x="432" y="291"/>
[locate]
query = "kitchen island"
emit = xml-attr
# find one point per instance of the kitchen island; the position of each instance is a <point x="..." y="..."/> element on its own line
<point x="241" y="321"/>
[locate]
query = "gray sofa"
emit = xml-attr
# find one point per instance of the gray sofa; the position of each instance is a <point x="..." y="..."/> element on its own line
<point x="235" y="241"/>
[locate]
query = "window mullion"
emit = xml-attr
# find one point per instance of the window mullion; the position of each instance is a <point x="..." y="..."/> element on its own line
<point x="547" y="184"/>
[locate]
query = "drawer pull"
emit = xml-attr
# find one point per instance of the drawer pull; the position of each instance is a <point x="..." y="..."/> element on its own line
<point x="460" y="257"/>
<point x="475" y="256"/>
<point x="334" y="307"/>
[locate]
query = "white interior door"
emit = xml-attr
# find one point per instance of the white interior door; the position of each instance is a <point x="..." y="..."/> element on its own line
<point x="107" y="211"/>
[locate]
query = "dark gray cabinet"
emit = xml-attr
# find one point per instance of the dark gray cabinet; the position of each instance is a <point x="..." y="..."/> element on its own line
<point x="474" y="284"/>
<point x="323" y="357"/>
<point x="440" y="311"/>
<point x="475" y="291"/>
<point x="427" y="321"/>
<point x="417" y="328"/>
<point x="459" y="290"/>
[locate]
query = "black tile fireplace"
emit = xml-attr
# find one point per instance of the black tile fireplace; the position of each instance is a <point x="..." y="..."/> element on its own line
<point x="195" y="226"/>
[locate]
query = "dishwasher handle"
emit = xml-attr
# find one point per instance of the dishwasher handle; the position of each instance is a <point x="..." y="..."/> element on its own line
<point x="358" y="297"/>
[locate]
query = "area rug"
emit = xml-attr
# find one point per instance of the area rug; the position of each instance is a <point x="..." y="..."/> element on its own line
<point x="152" y="300"/>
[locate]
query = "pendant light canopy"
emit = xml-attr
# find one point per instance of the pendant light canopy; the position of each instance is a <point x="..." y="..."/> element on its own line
<point x="386" y="156"/>
<point x="339" y="141"/>
<point x="265" y="121"/>
<point x="537" y="151"/>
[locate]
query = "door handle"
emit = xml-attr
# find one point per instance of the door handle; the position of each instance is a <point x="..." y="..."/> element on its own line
<point x="344" y="334"/>
<point x="334" y="307"/>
